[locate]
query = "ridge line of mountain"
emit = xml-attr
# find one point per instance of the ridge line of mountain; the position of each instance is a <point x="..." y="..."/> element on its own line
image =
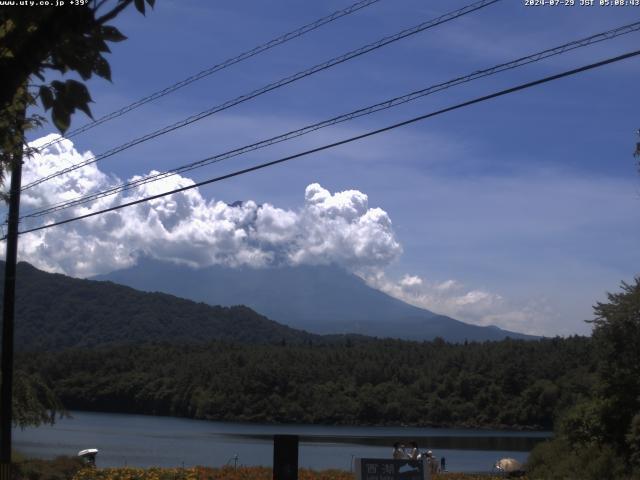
<point x="321" y="299"/>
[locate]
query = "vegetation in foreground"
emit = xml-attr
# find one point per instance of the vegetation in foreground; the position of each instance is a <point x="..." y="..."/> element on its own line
<point x="70" y="468"/>
<point x="599" y="437"/>
<point x="61" y="468"/>
<point x="228" y="473"/>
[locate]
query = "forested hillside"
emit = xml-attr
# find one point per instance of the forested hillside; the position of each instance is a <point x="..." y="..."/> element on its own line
<point x="510" y="383"/>
<point x="55" y="312"/>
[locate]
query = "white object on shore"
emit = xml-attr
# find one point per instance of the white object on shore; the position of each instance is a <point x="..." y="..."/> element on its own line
<point x="89" y="456"/>
<point x="88" y="452"/>
<point x="508" y="465"/>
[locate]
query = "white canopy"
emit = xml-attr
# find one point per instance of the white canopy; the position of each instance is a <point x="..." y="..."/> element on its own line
<point x="87" y="452"/>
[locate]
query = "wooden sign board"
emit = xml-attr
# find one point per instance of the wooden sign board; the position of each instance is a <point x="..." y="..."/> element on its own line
<point x="390" y="469"/>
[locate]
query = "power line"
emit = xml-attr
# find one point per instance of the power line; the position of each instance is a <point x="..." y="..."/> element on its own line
<point x="345" y="117"/>
<point x="609" y="34"/>
<point x="272" y="86"/>
<point x="220" y="66"/>
<point x="500" y="93"/>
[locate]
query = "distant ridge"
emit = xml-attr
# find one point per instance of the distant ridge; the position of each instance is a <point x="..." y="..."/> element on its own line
<point x="318" y="299"/>
<point x="54" y="311"/>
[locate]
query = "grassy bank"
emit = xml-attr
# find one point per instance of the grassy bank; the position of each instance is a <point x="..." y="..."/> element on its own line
<point x="69" y="468"/>
<point x="228" y="473"/>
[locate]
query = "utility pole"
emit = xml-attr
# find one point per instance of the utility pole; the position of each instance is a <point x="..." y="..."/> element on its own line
<point x="6" y="368"/>
<point x="285" y="457"/>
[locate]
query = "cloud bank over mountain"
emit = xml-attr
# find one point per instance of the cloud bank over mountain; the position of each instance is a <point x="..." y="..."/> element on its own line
<point x="479" y="307"/>
<point x="185" y="227"/>
<point x="328" y="228"/>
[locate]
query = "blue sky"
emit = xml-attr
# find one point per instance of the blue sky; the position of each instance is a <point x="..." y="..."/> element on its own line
<point x="531" y="199"/>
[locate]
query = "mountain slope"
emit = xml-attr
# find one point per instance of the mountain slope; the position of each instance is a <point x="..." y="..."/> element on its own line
<point x="319" y="299"/>
<point x="55" y="311"/>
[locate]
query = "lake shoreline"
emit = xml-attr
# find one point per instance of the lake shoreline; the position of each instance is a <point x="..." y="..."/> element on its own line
<point x="145" y="441"/>
<point x="456" y="426"/>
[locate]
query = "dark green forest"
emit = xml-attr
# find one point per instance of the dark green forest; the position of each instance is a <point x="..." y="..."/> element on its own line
<point x="55" y="312"/>
<point x="599" y="436"/>
<point x="99" y="346"/>
<point x="513" y="383"/>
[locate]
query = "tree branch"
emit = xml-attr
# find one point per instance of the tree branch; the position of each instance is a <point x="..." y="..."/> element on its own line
<point x="113" y="13"/>
<point x="99" y="5"/>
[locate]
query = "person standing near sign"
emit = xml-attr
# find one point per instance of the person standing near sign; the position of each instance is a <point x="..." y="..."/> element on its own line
<point x="398" y="452"/>
<point x="414" y="453"/>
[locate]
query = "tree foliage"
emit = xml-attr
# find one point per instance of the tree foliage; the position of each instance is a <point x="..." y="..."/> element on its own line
<point x="512" y="383"/>
<point x="616" y="335"/>
<point x="34" y="402"/>
<point x="37" y="40"/>
<point x="607" y="422"/>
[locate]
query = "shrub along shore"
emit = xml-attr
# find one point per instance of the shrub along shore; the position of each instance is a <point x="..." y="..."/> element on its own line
<point x="72" y="468"/>
<point x="244" y="473"/>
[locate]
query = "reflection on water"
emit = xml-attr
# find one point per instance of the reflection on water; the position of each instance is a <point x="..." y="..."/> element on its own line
<point x="146" y="440"/>
<point x="519" y="444"/>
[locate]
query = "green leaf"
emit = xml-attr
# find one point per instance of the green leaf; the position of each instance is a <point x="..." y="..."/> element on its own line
<point x="84" y="69"/>
<point x="102" y="68"/>
<point x="102" y="46"/>
<point x="61" y="117"/>
<point x="59" y="88"/>
<point x="87" y="111"/>
<point x="112" y="34"/>
<point x="78" y="91"/>
<point x="78" y="96"/>
<point x="139" y="5"/>
<point x="46" y="96"/>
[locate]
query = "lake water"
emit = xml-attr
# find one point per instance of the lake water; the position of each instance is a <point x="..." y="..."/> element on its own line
<point x="140" y="440"/>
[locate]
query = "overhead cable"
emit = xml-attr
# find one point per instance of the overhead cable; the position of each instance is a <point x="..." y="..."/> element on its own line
<point x="272" y="86"/>
<point x="607" y="35"/>
<point x="500" y="93"/>
<point x="220" y="66"/>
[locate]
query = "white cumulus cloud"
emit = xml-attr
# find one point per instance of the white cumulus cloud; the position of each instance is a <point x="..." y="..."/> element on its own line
<point x="451" y="298"/>
<point x="188" y="228"/>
